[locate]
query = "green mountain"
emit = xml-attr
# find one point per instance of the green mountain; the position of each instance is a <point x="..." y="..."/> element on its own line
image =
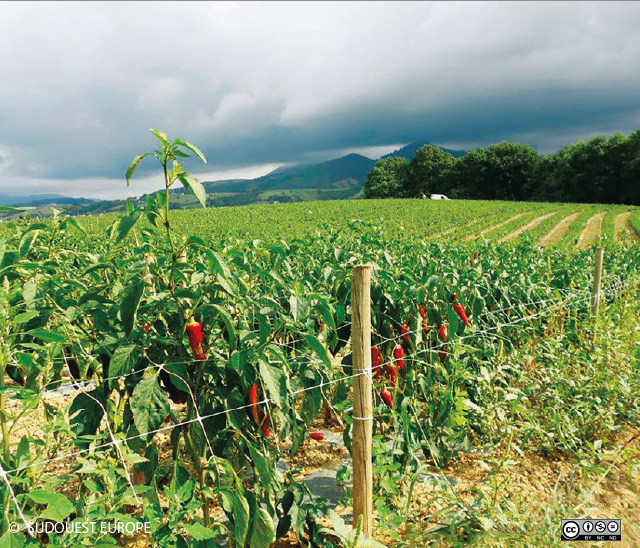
<point x="409" y="151"/>
<point x="347" y="172"/>
<point x="331" y="180"/>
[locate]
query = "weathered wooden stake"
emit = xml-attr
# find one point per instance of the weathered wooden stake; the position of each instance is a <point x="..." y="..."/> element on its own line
<point x="362" y="490"/>
<point x="595" y="301"/>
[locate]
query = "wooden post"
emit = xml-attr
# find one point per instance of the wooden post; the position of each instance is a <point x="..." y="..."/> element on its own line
<point x="595" y="302"/>
<point x="362" y="490"/>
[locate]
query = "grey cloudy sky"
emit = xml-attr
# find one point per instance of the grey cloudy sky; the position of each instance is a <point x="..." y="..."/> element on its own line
<point x="256" y="85"/>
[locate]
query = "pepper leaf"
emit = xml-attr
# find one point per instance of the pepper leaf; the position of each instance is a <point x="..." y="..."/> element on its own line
<point x="193" y="148"/>
<point x="149" y="405"/>
<point x="131" y="297"/>
<point x="132" y="167"/>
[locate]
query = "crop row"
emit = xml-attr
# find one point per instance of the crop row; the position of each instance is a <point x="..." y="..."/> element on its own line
<point x="275" y="315"/>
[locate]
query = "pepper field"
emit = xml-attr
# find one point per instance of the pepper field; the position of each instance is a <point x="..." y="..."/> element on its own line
<point x="528" y="415"/>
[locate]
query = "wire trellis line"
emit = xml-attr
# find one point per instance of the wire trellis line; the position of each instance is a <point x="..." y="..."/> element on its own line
<point x="266" y="401"/>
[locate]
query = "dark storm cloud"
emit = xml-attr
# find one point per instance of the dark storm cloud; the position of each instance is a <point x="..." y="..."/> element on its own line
<point x="278" y="82"/>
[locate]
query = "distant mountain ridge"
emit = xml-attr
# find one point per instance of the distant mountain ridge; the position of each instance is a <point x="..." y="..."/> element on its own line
<point x="340" y="178"/>
<point x="409" y="151"/>
<point x="349" y="170"/>
<point x="8" y="200"/>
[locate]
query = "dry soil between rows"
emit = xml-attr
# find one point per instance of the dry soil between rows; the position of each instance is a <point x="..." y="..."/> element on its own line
<point x="526" y="227"/>
<point x="532" y="480"/>
<point x="560" y="230"/>
<point x="591" y="231"/>
<point x="622" y="224"/>
<point x="496" y="227"/>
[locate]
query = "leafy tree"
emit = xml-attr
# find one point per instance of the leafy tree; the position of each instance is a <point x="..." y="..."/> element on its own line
<point x="425" y="169"/>
<point x="511" y="169"/>
<point x="465" y="179"/>
<point x="630" y="174"/>
<point x="592" y="172"/>
<point x="504" y="171"/>
<point x="598" y="171"/>
<point x="387" y="178"/>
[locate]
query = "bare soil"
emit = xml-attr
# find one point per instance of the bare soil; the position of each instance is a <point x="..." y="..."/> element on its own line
<point x="526" y="227"/>
<point x="559" y="231"/>
<point x="622" y="224"/>
<point x="590" y="233"/>
<point x="537" y="485"/>
<point x="546" y="485"/>
<point x="496" y="227"/>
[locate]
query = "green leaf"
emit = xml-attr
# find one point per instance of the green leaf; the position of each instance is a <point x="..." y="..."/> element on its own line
<point x="223" y="315"/>
<point x="72" y="222"/>
<point x="263" y="466"/>
<point x="12" y="540"/>
<point x="319" y="349"/>
<point x="179" y="370"/>
<point x="29" y="292"/>
<point x="241" y="517"/>
<point x="121" y="362"/>
<point x="46" y="335"/>
<point x="132" y="166"/>
<point x="85" y="413"/>
<point x="23" y="455"/>
<point x="131" y="297"/>
<point x="161" y="136"/>
<point x="311" y="405"/>
<point x="293" y="304"/>
<point x="25" y="317"/>
<point x="478" y="307"/>
<point x="149" y="405"/>
<point x="192" y="148"/>
<point x="263" y="533"/>
<point x="182" y="484"/>
<point x="218" y="264"/>
<point x="155" y="218"/>
<point x="125" y="225"/>
<point x="58" y="506"/>
<point x="275" y="382"/>
<point x="195" y="187"/>
<point x="470" y="405"/>
<point x="27" y="241"/>
<point x="198" y="531"/>
<point x="340" y="528"/>
<point x="129" y="207"/>
<point x="264" y="328"/>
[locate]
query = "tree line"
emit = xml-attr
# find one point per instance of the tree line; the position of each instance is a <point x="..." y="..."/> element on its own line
<point x="605" y="171"/>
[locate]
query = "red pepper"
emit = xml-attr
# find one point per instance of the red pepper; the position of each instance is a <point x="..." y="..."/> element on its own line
<point x="404" y="331"/>
<point x="387" y="397"/>
<point x="318" y="436"/>
<point x="460" y="311"/>
<point x="376" y="362"/>
<point x="442" y="334"/>
<point x="253" y="402"/>
<point x="194" y="334"/>
<point x="392" y="373"/>
<point x="264" y="424"/>
<point x="398" y="354"/>
<point x="423" y="315"/>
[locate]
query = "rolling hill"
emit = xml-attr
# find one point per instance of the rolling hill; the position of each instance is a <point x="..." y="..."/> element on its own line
<point x="409" y="151"/>
<point x="336" y="179"/>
